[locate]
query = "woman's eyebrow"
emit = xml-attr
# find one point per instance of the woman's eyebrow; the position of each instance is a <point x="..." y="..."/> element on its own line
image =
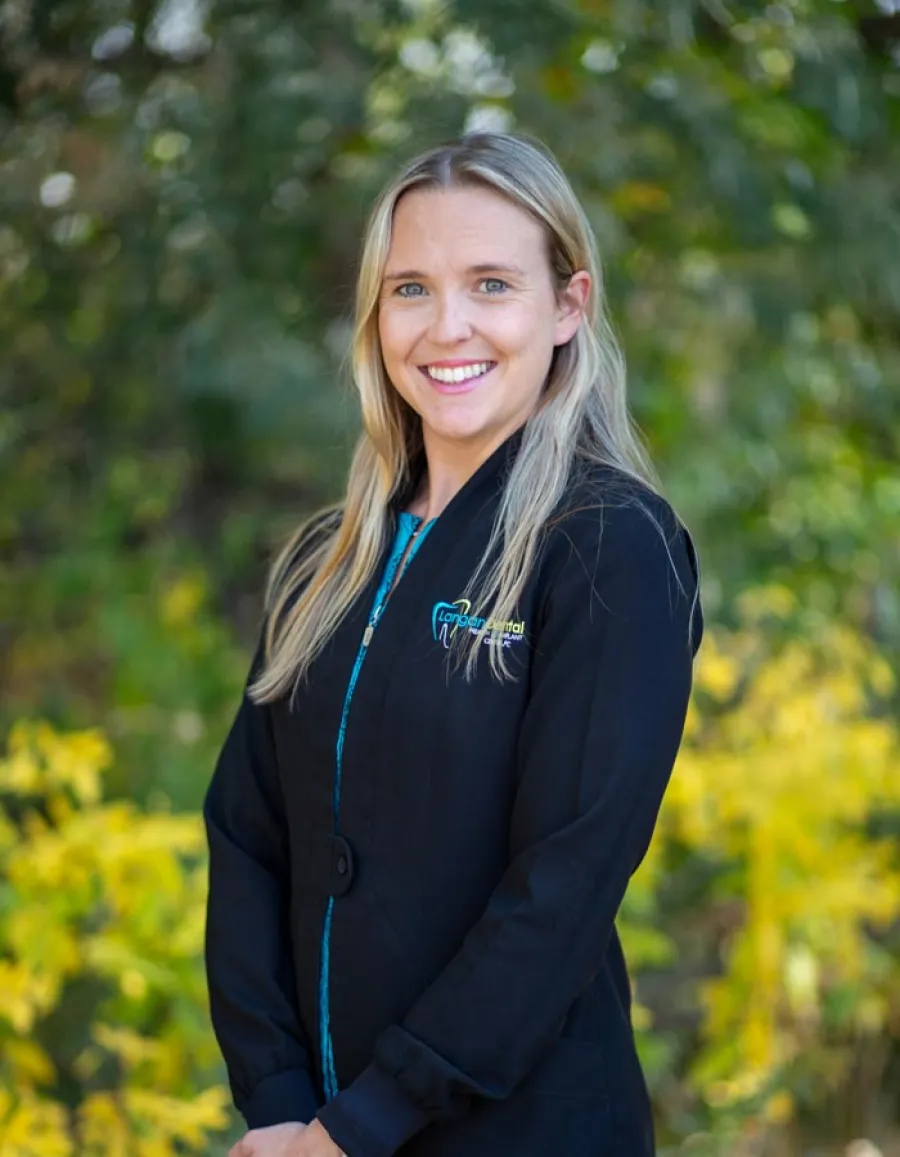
<point x="484" y="267"/>
<point x="406" y="275"/>
<point x="490" y="267"/>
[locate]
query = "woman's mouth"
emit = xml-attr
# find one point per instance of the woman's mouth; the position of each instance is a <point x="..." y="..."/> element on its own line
<point x="457" y="379"/>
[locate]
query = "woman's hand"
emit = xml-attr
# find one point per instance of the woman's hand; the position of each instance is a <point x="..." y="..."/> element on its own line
<point x="292" y="1139"/>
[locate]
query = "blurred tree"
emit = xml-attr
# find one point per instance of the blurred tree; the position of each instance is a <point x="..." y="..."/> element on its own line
<point x="182" y="189"/>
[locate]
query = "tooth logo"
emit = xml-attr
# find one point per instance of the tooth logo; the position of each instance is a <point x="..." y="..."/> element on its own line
<point x="448" y="618"/>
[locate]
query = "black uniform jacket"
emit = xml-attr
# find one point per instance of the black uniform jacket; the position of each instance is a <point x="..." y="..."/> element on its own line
<point x="487" y="830"/>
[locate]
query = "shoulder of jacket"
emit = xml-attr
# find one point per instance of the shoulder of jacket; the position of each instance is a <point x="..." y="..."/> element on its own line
<point x="617" y="538"/>
<point x="612" y="526"/>
<point x="605" y="498"/>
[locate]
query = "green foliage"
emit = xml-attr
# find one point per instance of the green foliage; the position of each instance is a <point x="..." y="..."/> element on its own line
<point x="180" y="210"/>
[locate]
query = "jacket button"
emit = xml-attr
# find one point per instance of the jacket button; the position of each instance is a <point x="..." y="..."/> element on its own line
<point x="340" y="866"/>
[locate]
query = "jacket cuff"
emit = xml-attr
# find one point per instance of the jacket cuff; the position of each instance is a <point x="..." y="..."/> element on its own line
<point x="285" y="1096"/>
<point x="373" y="1116"/>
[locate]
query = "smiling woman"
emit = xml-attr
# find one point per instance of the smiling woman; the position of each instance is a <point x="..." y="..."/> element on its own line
<point x="463" y="711"/>
<point x="468" y="342"/>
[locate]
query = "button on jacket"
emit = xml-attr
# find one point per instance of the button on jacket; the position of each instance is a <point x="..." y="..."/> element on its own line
<point x="414" y="876"/>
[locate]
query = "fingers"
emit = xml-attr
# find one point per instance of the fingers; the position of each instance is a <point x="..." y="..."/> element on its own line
<point x="272" y="1141"/>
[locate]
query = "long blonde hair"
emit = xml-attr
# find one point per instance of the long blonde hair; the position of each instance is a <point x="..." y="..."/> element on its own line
<point x="581" y="420"/>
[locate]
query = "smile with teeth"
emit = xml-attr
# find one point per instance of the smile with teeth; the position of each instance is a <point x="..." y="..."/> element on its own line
<point x="452" y="374"/>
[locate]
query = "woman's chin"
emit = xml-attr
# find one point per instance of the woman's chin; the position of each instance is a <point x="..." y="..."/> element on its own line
<point x="463" y="432"/>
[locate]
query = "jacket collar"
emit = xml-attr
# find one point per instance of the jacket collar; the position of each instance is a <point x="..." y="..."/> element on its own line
<point x="489" y="478"/>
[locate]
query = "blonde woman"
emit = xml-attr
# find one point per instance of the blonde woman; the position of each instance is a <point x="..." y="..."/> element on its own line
<point x="463" y="713"/>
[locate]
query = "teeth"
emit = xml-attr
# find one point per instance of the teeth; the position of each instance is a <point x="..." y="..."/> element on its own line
<point x="457" y="373"/>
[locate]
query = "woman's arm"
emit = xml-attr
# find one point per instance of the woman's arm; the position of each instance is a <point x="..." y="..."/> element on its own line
<point x="611" y="680"/>
<point x="248" y="955"/>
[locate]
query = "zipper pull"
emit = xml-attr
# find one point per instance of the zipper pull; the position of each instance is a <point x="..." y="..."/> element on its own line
<point x="373" y="623"/>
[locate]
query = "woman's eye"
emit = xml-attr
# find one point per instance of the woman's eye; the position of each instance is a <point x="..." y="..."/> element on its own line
<point x="410" y="289"/>
<point x="494" y="285"/>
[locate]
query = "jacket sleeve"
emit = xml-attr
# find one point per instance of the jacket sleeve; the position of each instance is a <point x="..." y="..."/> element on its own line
<point x="249" y="963"/>
<point x="611" y="679"/>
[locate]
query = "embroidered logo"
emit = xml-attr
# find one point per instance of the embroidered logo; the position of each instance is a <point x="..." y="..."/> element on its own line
<point x="448" y="618"/>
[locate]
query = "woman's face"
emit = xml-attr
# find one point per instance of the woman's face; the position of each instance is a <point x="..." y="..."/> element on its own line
<point x="469" y="314"/>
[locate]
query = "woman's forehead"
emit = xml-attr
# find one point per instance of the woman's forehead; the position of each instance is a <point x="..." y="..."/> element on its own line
<point x="470" y="226"/>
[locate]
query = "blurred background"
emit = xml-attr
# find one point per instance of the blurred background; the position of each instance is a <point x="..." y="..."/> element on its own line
<point x="182" y="188"/>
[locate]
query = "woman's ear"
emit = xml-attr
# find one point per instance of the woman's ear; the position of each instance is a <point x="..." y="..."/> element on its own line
<point x="573" y="303"/>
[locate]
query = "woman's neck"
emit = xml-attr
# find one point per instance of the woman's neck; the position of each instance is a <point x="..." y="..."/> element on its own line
<point x="448" y="467"/>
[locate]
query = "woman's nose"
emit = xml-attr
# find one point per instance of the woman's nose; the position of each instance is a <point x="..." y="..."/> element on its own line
<point x="450" y="321"/>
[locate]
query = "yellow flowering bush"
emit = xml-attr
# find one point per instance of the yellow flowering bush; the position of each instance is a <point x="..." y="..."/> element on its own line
<point x="785" y="769"/>
<point x="104" y="1037"/>
<point x="769" y="889"/>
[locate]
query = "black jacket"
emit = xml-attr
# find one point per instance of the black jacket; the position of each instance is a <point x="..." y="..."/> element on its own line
<point x="487" y="830"/>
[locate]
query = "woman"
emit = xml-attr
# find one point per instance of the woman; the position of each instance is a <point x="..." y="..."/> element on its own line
<point x="463" y="713"/>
